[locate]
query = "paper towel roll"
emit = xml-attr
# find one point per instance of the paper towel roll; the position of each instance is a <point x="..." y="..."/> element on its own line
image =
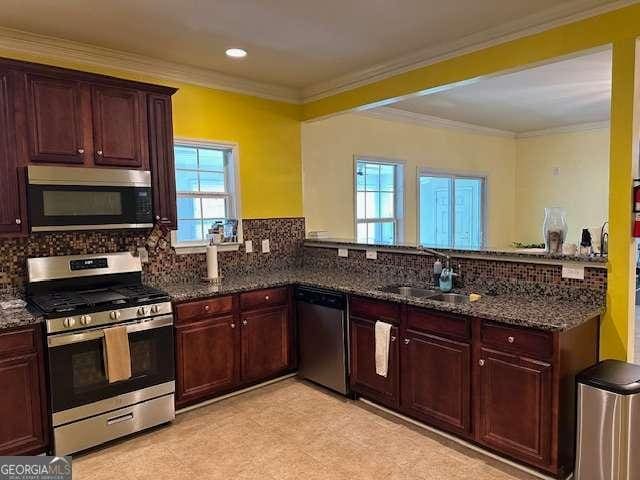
<point x="212" y="262"/>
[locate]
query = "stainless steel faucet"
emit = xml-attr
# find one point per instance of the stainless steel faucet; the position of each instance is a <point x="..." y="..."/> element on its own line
<point x="446" y="257"/>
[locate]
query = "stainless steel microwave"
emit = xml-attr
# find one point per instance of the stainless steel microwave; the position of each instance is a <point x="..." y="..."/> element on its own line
<point x="76" y="198"/>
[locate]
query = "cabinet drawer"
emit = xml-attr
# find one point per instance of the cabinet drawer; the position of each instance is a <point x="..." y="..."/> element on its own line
<point x="520" y="341"/>
<point x="439" y="324"/>
<point x="374" y="309"/>
<point x="263" y="298"/>
<point x="18" y="341"/>
<point x="203" y="308"/>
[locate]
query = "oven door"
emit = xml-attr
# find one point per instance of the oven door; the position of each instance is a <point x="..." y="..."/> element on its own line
<point x="79" y="386"/>
<point x="89" y="207"/>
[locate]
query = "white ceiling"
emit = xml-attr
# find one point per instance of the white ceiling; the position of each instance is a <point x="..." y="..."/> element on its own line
<point x="568" y="92"/>
<point x="291" y="43"/>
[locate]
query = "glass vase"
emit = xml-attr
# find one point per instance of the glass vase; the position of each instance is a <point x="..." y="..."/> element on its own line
<point x="554" y="229"/>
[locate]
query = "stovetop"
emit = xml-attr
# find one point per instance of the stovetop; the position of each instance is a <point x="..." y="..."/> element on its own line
<point x="71" y="302"/>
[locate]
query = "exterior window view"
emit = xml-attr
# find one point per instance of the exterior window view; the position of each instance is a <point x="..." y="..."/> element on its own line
<point x="328" y="240"/>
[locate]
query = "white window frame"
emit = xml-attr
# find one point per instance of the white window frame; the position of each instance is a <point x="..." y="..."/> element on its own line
<point x="399" y="200"/>
<point x="424" y="171"/>
<point x="232" y="185"/>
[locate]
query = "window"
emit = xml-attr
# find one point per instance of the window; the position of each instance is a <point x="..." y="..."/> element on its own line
<point x="205" y="189"/>
<point x="379" y="201"/>
<point x="451" y="210"/>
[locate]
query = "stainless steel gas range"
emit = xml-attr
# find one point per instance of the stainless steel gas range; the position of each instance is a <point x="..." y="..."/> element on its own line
<point x="81" y="298"/>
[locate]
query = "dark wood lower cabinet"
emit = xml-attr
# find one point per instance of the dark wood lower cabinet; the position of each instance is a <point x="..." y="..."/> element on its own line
<point x="265" y="343"/>
<point x="516" y="406"/>
<point x="364" y="378"/>
<point x="220" y="348"/>
<point x="205" y="352"/>
<point x="436" y="381"/>
<point x="23" y="412"/>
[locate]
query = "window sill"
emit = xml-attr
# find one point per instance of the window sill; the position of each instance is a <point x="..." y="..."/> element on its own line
<point x="190" y="249"/>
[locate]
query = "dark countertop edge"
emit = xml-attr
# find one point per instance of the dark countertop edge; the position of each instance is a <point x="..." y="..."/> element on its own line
<point x="498" y="255"/>
<point x="584" y="316"/>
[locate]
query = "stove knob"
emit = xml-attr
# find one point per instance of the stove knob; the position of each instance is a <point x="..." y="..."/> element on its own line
<point x="155" y="308"/>
<point x="85" y="319"/>
<point x="69" y="322"/>
<point x="115" y="315"/>
<point x="142" y="311"/>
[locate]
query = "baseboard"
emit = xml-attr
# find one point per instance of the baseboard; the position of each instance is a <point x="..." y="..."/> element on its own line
<point x="235" y="393"/>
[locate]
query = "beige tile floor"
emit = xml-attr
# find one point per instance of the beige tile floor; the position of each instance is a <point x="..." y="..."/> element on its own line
<point x="289" y="430"/>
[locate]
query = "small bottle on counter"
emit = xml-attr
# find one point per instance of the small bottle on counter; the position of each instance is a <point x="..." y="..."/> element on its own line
<point x="437" y="270"/>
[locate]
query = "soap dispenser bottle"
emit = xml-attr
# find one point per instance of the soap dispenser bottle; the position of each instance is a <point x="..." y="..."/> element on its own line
<point x="446" y="280"/>
<point x="437" y="271"/>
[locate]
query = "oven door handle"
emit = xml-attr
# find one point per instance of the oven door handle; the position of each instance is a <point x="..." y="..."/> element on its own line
<point x="68" y="338"/>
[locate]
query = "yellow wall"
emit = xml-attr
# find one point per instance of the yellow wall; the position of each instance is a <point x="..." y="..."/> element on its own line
<point x="581" y="187"/>
<point x="267" y="132"/>
<point x="329" y="146"/>
<point x="619" y="28"/>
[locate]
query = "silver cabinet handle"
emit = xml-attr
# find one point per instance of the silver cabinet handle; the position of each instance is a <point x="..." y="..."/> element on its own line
<point x="406" y="341"/>
<point x="511" y="339"/>
<point x="244" y="322"/>
<point x="99" y="152"/>
<point x="481" y="362"/>
<point x="157" y="217"/>
<point x="81" y="151"/>
<point x="393" y="339"/>
<point x="120" y="419"/>
<point x="233" y="325"/>
<point x="266" y="297"/>
<point x="18" y="221"/>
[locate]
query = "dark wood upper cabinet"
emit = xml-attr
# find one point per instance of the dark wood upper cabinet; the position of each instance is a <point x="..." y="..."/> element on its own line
<point x="56" y="120"/>
<point x="24" y="426"/>
<point x="12" y="205"/>
<point x="162" y="161"/>
<point x="516" y="406"/>
<point x="119" y="127"/>
<point x="364" y="378"/>
<point x="265" y="342"/>
<point x="436" y="381"/>
<point x="206" y="358"/>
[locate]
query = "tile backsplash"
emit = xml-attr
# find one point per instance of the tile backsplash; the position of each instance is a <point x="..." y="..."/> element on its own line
<point x="285" y="235"/>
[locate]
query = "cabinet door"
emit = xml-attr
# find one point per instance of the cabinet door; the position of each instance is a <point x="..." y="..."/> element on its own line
<point x="12" y="201"/>
<point x="515" y="406"/>
<point x="206" y="358"/>
<point x="120" y="130"/>
<point x="57" y="120"/>
<point x="364" y="379"/>
<point x="161" y="160"/>
<point x="22" y="428"/>
<point x="265" y="343"/>
<point x="436" y="381"/>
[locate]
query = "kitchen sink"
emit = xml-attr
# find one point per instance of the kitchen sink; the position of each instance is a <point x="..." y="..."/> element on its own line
<point x="409" y="291"/>
<point x="451" y="298"/>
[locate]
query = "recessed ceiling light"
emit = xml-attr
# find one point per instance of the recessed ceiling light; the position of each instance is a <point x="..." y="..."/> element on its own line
<point x="236" y="53"/>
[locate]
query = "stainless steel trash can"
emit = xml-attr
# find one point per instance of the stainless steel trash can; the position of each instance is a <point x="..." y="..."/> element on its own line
<point x="608" y="431"/>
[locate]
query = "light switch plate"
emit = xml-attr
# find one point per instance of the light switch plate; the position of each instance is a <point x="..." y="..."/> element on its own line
<point x="248" y="246"/>
<point x="343" y="252"/>
<point x="265" y="246"/>
<point x="570" y="271"/>
<point x="372" y="255"/>
<point x="143" y="253"/>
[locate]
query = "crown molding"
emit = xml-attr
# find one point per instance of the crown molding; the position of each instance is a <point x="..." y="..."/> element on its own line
<point x="578" y="127"/>
<point x="399" y="115"/>
<point x="529" y="25"/>
<point x="67" y="50"/>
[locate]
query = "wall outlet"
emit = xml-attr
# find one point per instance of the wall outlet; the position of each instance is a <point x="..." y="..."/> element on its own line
<point x="248" y="246"/>
<point x="572" y="272"/>
<point x="343" y="252"/>
<point x="265" y="246"/>
<point x="143" y="253"/>
<point x="372" y="255"/>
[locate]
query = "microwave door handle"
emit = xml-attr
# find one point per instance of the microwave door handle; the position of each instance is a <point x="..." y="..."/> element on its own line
<point x="96" y="333"/>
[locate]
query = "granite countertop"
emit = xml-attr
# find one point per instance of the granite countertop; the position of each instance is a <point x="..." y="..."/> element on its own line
<point x="16" y="316"/>
<point x="541" y="312"/>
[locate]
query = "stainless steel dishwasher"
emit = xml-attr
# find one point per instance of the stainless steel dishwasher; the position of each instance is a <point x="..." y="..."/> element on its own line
<point x="322" y="333"/>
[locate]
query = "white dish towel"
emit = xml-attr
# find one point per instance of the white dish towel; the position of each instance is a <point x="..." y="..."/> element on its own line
<point x="383" y="334"/>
